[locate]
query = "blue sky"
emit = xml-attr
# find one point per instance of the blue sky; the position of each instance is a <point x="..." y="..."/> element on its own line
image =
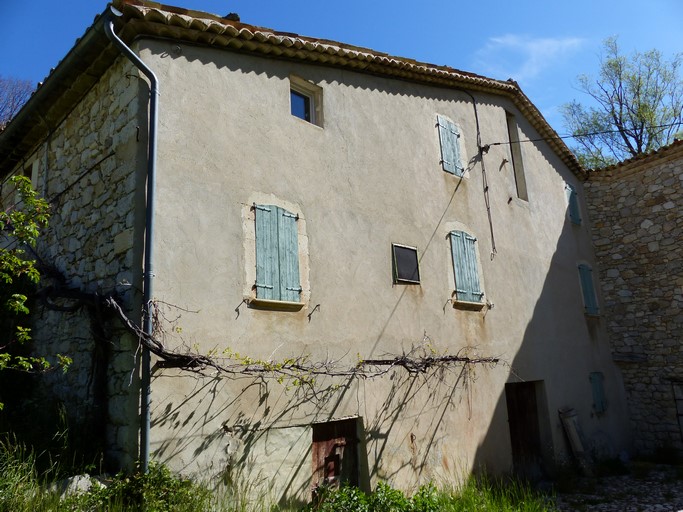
<point x="543" y="45"/>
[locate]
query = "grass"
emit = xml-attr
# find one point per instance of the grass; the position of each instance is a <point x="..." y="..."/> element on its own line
<point x="478" y="494"/>
<point x="24" y="489"/>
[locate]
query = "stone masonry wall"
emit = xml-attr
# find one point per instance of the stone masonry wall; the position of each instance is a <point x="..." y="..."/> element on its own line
<point x="637" y="213"/>
<point x="87" y="170"/>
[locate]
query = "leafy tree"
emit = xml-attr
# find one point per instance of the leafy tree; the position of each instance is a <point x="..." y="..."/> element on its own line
<point x="638" y="106"/>
<point x="20" y="225"/>
<point x="14" y="92"/>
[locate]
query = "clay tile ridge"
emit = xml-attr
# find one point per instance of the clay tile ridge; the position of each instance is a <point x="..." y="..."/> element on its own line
<point x="670" y="151"/>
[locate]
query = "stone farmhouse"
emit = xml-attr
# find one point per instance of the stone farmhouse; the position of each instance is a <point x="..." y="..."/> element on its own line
<point x="413" y="236"/>
<point x="636" y="209"/>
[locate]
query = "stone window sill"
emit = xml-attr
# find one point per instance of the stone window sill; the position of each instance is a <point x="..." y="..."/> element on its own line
<point x="468" y="306"/>
<point x="275" y="305"/>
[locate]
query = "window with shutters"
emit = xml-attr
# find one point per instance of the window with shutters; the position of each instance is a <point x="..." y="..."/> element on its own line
<point x="590" y="300"/>
<point x="516" y="157"/>
<point x="306" y="100"/>
<point x="277" y="255"/>
<point x="449" y="137"/>
<point x="573" y="205"/>
<point x="466" y="268"/>
<point x="597" y="380"/>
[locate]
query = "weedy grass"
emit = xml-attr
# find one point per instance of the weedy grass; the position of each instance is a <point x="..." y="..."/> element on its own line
<point x="24" y="489"/>
<point x="477" y="494"/>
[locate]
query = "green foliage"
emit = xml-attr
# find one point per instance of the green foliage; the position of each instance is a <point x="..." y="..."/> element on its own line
<point x="20" y="226"/>
<point x="23" y="489"/>
<point x="637" y="101"/>
<point x="344" y="499"/>
<point x="428" y="499"/>
<point x="388" y="499"/>
<point x="478" y="494"/>
<point x="155" y="491"/>
<point x="20" y="487"/>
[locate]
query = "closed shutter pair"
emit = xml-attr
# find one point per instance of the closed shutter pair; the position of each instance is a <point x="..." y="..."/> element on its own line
<point x="277" y="254"/>
<point x="467" y="285"/>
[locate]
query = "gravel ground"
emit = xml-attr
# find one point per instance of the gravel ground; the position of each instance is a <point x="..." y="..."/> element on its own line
<point x="648" y="488"/>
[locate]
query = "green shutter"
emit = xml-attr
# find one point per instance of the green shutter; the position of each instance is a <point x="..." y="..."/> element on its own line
<point x="465" y="268"/>
<point x="573" y="199"/>
<point x="288" y="243"/>
<point x="589" y="298"/>
<point x="277" y="254"/>
<point x="267" y="266"/>
<point x="449" y="137"/>
<point x="597" y="384"/>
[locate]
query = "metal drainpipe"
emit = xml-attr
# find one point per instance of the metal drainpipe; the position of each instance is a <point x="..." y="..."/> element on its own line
<point x="149" y="232"/>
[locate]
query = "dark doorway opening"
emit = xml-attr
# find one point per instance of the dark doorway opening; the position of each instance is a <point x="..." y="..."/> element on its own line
<point x="525" y="428"/>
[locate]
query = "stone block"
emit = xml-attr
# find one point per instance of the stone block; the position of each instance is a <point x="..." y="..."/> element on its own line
<point x="123" y="241"/>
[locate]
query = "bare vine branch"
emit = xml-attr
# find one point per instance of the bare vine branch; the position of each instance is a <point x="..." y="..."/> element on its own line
<point x="300" y="368"/>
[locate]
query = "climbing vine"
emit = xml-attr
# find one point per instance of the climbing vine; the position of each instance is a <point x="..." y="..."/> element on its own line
<point x="301" y="369"/>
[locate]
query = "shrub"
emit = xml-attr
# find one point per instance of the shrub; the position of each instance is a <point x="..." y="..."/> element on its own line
<point x="387" y="499"/>
<point x="155" y="491"/>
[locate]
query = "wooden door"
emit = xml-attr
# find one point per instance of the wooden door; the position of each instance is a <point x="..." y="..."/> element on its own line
<point x="335" y="453"/>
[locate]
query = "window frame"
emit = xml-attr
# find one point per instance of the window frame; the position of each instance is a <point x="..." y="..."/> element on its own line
<point x="516" y="157"/>
<point x="312" y="93"/>
<point x="395" y="269"/>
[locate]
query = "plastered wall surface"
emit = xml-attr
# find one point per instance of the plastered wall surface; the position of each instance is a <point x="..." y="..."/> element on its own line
<point x="369" y="177"/>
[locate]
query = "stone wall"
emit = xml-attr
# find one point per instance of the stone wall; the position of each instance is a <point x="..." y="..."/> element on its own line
<point x="636" y="209"/>
<point x="87" y="170"/>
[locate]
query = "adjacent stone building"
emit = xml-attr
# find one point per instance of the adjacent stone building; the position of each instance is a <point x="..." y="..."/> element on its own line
<point x="327" y="204"/>
<point x="636" y="208"/>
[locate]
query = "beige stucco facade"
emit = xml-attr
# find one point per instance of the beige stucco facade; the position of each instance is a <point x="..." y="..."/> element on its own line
<point x="369" y="177"/>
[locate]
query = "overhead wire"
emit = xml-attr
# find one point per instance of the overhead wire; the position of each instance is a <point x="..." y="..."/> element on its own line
<point x="578" y="135"/>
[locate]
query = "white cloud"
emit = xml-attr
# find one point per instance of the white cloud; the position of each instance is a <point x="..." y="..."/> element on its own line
<point x="521" y="57"/>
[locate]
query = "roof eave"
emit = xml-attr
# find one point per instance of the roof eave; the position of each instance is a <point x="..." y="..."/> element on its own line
<point x="93" y="54"/>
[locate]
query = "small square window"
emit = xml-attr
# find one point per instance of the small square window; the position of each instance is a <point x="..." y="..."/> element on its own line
<point x="305" y="99"/>
<point x="406" y="269"/>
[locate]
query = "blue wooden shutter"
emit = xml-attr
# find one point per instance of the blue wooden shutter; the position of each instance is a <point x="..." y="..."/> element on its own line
<point x="267" y="266"/>
<point x="450" y="146"/>
<point x="288" y="244"/>
<point x="599" y="402"/>
<point x="573" y="199"/>
<point x="589" y="298"/>
<point x="465" y="267"/>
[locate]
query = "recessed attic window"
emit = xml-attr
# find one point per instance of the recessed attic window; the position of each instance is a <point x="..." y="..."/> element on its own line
<point x="306" y="100"/>
<point x="301" y="105"/>
<point x="405" y="262"/>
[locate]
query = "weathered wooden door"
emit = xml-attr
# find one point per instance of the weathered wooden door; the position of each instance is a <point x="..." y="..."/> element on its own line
<point x="335" y="453"/>
<point x="525" y="435"/>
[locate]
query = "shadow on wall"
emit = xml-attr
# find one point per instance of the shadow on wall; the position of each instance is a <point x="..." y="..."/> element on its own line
<point x="551" y="371"/>
<point x="282" y="440"/>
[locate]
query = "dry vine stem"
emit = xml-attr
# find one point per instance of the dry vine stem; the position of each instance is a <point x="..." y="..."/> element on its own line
<point x="295" y="367"/>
